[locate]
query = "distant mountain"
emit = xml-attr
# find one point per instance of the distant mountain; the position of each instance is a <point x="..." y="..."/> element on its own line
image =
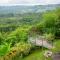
<point x="27" y="9"/>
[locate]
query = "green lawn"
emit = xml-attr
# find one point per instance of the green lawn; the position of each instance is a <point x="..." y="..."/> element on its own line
<point x="36" y="55"/>
<point x="57" y="45"/>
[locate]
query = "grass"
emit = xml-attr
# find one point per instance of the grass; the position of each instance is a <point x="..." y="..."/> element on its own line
<point x="57" y="45"/>
<point x="36" y="55"/>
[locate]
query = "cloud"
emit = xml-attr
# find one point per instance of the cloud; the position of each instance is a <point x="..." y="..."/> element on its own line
<point x="34" y="1"/>
<point x="4" y="1"/>
<point x="24" y="2"/>
<point x="29" y="2"/>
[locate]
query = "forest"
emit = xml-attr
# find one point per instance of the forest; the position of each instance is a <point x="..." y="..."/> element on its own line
<point x="20" y="35"/>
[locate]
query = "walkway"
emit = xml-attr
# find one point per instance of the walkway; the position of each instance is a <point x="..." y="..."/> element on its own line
<point x="40" y="42"/>
<point x="56" y="56"/>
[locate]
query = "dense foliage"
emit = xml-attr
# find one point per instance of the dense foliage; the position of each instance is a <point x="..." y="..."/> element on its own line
<point x="14" y="32"/>
<point x="50" y="22"/>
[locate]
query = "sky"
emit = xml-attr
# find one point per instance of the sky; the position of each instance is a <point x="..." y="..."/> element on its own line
<point x="28" y="2"/>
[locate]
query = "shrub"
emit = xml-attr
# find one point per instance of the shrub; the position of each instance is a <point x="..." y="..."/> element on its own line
<point x="19" y="50"/>
<point x="50" y="23"/>
<point x="49" y="36"/>
<point x="24" y="48"/>
<point x="4" y="49"/>
<point x="1" y="39"/>
<point x="17" y="36"/>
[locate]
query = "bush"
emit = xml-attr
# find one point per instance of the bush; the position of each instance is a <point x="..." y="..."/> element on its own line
<point x="24" y="48"/>
<point x="4" y="49"/>
<point x="49" y="36"/>
<point x="1" y="39"/>
<point x="51" y="22"/>
<point x="18" y="51"/>
<point x="17" y="36"/>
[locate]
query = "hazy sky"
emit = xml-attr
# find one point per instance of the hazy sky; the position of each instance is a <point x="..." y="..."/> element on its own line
<point x="28" y="2"/>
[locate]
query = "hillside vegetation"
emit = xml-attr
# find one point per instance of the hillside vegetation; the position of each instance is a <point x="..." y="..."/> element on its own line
<point x="15" y="33"/>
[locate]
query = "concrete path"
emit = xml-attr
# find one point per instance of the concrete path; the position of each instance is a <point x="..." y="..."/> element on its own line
<point x="56" y="56"/>
<point x="40" y="42"/>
